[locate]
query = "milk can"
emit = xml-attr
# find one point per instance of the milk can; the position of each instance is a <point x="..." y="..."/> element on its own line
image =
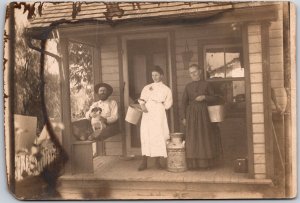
<point x="176" y="161"/>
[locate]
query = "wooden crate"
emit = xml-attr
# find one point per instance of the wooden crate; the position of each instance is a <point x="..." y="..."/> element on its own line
<point x="82" y="157"/>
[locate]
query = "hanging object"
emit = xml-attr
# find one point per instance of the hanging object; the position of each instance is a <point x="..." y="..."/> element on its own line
<point x="134" y="113"/>
<point x="216" y="113"/>
<point x="280" y="99"/>
<point x="186" y="56"/>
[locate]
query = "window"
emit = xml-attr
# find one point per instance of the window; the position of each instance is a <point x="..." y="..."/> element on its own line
<point x="223" y="62"/>
<point x="81" y="79"/>
<point x="224" y="69"/>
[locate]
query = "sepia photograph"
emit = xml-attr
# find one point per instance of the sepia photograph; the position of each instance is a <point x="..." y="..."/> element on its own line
<point x="150" y="100"/>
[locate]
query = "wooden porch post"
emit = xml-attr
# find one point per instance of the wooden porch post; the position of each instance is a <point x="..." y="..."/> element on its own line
<point x="248" y="98"/>
<point x="97" y="71"/>
<point x="267" y="99"/>
<point x="67" y="139"/>
<point x="176" y="123"/>
<point x="121" y="89"/>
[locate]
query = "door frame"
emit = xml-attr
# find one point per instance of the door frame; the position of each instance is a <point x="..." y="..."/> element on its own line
<point x="129" y="149"/>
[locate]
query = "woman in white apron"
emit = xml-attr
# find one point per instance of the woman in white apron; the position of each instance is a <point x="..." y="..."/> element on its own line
<point x="155" y="99"/>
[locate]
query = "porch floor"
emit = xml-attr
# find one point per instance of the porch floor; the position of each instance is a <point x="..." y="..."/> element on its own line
<point x="117" y="168"/>
<point x="118" y="178"/>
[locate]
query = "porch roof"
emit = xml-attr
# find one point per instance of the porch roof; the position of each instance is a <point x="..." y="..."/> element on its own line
<point x="128" y="11"/>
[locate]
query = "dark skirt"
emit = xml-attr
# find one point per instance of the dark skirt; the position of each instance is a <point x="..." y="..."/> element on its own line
<point x="201" y="141"/>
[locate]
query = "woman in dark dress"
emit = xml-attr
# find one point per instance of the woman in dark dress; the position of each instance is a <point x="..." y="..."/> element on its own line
<point x="201" y="142"/>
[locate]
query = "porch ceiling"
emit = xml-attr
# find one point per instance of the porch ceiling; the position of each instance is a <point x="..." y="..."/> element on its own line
<point x="92" y="19"/>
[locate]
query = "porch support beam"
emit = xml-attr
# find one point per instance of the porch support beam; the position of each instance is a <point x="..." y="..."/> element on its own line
<point x="121" y="89"/>
<point x="176" y="123"/>
<point x="258" y="68"/>
<point x="67" y="138"/>
<point x="248" y="98"/>
<point x="267" y="99"/>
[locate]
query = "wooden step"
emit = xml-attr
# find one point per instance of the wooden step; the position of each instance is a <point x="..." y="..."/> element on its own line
<point x="116" y="178"/>
<point x="134" y="189"/>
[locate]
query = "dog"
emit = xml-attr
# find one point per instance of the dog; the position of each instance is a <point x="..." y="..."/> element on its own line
<point x="96" y="122"/>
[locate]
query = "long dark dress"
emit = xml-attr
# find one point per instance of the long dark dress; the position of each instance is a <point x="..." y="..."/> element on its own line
<point x="201" y="142"/>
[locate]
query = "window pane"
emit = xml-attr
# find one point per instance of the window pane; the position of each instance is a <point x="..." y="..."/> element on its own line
<point x="238" y="91"/>
<point x="215" y="63"/>
<point x="81" y="79"/>
<point x="233" y="63"/>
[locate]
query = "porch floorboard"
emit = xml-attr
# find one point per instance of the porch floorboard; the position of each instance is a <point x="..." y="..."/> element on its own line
<point x="115" y="168"/>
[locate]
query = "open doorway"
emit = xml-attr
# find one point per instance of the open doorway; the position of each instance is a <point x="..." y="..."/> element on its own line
<point x="141" y="55"/>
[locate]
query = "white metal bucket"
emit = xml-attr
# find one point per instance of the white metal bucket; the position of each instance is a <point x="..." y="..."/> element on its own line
<point x="133" y="114"/>
<point x="216" y="113"/>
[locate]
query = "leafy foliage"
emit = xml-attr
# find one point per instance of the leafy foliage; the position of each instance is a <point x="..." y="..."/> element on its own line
<point x="27" y="98"/>
<point x="81" y="79"/>
<point x="80" y="57"/>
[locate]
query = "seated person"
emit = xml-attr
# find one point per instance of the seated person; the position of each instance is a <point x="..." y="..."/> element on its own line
<point x="103" y="114"/>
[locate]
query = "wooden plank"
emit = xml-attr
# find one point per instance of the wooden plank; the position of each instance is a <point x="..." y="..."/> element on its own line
<point x="258" y="148"/>
<point x="290" y="169"/>
<point x="96" y="65"/>
<point x="258" y="128"/>
<point x="275" y="34"/>
<point x="258" y="138"/>
<point x="276" y="75"/>
<point x="109" y="48"/>
<point x="277" y="83"/>
<point x="248" y="98"/>
<point x="122" y="95"/>
<point x="275" y="50"/>
<point x="173" y="65"/>
<point x="109" y="55"/>
<point x="276" y="58"/>
<point x="83" y="157"/>
<point x="257" y="97"/>
<point x="256" y="77"/>
<point x="97" y="69"/>
<point x="267" y="101"/>
<point x="254" y="48"/>
<point x="257" y="88"/>
<point x="253" y="39"/>
<point x="258" y="118"/>
<point x="276" y="42"/>
<point x="66" y="108"/>
<point x="110" y="76"/>
<point x="255" y="58"/>
<point x="111" y="69"/>
<point x="109" y="62"/>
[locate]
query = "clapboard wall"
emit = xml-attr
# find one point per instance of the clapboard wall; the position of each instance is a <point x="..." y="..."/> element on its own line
<point x="110" y="74"/>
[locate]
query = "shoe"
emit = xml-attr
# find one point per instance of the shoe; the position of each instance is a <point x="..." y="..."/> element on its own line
<point x="91" y="138"/>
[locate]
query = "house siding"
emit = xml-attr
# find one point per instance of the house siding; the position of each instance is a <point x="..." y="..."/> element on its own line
<point x="110" y="74"/>
<point x="256" y="79"/>
<point x="110" y="65"/>
<point x="276" y="57"/>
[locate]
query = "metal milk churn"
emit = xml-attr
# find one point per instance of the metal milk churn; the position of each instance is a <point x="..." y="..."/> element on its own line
<point x="176" y="161"/>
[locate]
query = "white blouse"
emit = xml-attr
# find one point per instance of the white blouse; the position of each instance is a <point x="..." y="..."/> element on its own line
<point x="158" y="92"/>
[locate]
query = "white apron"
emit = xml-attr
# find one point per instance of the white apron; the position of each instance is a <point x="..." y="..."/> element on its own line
<point x="154" y="124"/>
